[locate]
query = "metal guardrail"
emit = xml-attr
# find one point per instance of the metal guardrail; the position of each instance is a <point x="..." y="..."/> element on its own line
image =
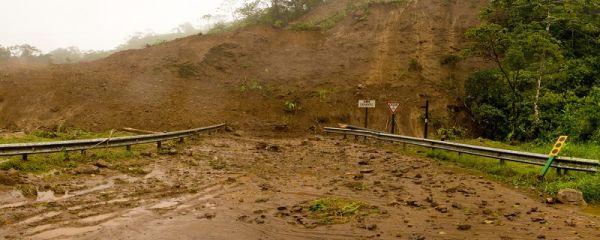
<point x="568" y="163"/>
<point x="25" y="149"/>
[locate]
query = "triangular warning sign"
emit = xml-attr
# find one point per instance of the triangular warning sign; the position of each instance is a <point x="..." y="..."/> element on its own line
<point x="393" y="107"/>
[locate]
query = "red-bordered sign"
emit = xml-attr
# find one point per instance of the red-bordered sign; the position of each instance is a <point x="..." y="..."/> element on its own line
<point x="393" y="106"/>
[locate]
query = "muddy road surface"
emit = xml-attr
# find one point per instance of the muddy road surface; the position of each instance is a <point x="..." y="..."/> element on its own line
<point x="240" y="187"/>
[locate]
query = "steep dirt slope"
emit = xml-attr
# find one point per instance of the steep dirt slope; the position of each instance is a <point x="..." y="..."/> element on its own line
<point x="249" y="77"/>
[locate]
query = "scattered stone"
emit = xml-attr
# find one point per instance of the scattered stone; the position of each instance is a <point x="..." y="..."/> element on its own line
<point x="570" y="223"/>
<point x="464" y="227"/>
<point x="265" y="186"/>
<point x="367" y="171"/>
<point x="512" y="216"/>
<point x="538" y="220"/>
<point x="371" y="227"/>
<point x="550" y="200"/>
<point x="273" y="148"/>
<point x="363" y="162"/>
<point x="208" y="216"/>
<point x="413" y="203"/>
<point x="571" y="196"/>
<point x="87" y="169"/>
<point x="296" y="209"/>
<point x="305" y="143"/>
<point x="541" y="237"/>
<point x="533" y="210"/>
<point x="415" y="236"/>
<point x="146" y="153"/>
<point x="282" y="208"/>
<point x="173" y="151"/>
<point x="457" y="206"/>
<point x="359" y="176"/>
<point x="316" y="138"/>
<point x="442" y="209"/>
<point x="6" y="179"/>
<point x="188" y="152"/>
<point x="103" y="164"/>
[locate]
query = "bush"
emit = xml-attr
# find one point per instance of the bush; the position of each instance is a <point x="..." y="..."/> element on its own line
<point x="450" y="60"/>
<point x="414" y="65"/>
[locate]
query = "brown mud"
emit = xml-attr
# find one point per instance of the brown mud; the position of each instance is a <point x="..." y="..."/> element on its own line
<point x="246" y="77"/>
<point x="240" y="187"/>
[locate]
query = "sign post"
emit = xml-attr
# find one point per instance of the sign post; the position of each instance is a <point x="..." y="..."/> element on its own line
<point x="366" y="104"/>
<point x="553" y="154"/>
<point x="393" y="107"/>
<point x="426" y="130"/>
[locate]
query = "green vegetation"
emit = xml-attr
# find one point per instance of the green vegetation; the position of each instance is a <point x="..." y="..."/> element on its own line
<point x="186" y="70"/>
<point x="525" y="175"/>
<point x="252" y="85"/>
<point x="40" y="163"/>
<point x="333" y="210"/>
<point x="290" y="107"/>
<point x="41" y="135"/>
<point x="217" y="164"/>
<point x="450" y="60"/>
<point x="414" y="65"/>
<point x="320" y="24"/>
<point x="546" y="79"/>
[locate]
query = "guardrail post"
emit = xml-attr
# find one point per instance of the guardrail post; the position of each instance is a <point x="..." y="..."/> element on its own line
<point x="24" y="157"/>
<point x="345" y="136"/>
<point x="502" y="162"/>
<point x="128" y="148"/>
<point x="158" y="145"/>
<point x="181" y="140"/>
<point x="83" y="153"/>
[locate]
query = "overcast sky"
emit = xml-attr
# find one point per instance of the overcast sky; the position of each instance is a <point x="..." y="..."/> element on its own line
<point x="94" y="24"/>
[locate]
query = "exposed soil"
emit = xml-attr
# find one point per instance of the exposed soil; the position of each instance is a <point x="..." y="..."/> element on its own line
<point x="246" y="77"/>
<point x="240" y="187"/>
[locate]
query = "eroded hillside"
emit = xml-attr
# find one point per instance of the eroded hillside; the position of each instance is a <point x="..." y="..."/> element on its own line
<point x="262" y="77"/>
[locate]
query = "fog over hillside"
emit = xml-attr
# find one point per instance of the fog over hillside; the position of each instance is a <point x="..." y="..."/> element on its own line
<point x="72" y="31"/>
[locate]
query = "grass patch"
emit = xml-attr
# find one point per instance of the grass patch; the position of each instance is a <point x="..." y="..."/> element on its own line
<point x="41" y="135"/>
<point x="40" y="163"/>
<point x="217" y="164"/>
<point x="333" y="210"/>
<point x="320" y="24"/>
<point x="525" y="175"/>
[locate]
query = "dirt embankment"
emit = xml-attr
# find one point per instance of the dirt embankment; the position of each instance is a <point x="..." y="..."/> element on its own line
<point x="239" y="187"/>
<point x="249" y="77"/>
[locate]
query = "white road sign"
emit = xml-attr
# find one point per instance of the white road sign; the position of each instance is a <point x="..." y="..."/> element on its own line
<point x="366" y="103"/>
<point x="393" y="106"/>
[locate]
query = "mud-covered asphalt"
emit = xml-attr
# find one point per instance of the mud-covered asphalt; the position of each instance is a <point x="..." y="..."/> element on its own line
<point x="243" y="187"/>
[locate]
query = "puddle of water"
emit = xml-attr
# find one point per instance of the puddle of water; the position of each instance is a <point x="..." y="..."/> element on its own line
<point x="40" y="217"/>
<point x="165" y="204"/>
<point x="47" y="196"/>
<point x="97" y="218"/>
<point x="593" y="210"/>
<point x="64" y="232"/>
<point x="11" y="196"/>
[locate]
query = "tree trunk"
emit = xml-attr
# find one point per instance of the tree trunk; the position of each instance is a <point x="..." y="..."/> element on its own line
<point x="538" y="89"/>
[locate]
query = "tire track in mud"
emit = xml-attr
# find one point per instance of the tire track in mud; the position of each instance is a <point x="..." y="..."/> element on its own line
<point x="147" y="204"/>
<point x="267" y="187"/>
